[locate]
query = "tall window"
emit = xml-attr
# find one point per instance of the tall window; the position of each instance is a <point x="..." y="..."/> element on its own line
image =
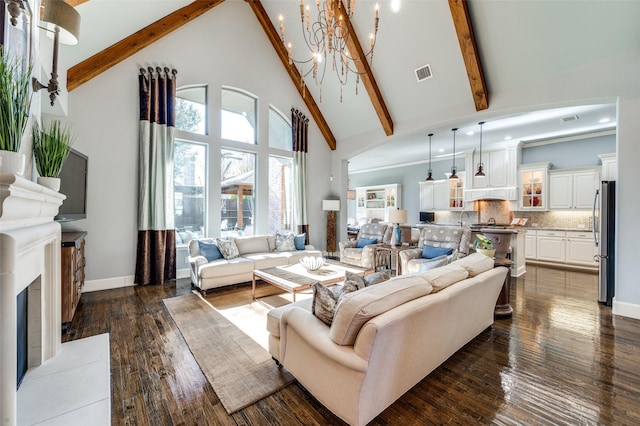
<point x="280" y="178"/>
<point x="191" y="109"/>
<point x="237" y="192"/>
<point x="190" y="188"/>
<point x="279" y="131"/>
<point x="238" y="116"/>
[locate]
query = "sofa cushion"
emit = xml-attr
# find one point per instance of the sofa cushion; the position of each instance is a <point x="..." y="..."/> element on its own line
<point x="228" y="248"/>
<point x="363" y="242"/>
<point x="299" y="240"/>
<point x="475" y="263"/>
<point x="356" y="308"/>
<point x="285" y="242"/>
<point x="224" y="267"/>
<point x="253" y="244"/>
<point x="268" y="260"/>
<point x="209" y="250"/>
<point x="443" y="277"/>
<point x="429" y="251"/>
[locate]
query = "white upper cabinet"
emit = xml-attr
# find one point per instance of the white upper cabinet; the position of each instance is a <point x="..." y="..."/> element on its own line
<point x="609" y="166"/>
<point x="500" y="168"/>
<point x="442" y="194"/>
<point x="573" y="189"/>
<point x="533" y="186"/>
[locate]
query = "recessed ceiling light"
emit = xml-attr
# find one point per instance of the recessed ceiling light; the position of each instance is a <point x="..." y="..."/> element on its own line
<point x="604" y="120"/>
<point x="507" y="138"/>
<point x="470" y="133"/>
<point x="441" y="150"/>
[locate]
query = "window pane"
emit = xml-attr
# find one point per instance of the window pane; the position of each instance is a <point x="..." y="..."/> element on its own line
<point x="237" y="183"/>
<point x="189" y="190"/>
<point x="280" y="184"/>
<point x="279" y="131"/>
<point x="191" y="108"/>
<point x="238" y="117"/>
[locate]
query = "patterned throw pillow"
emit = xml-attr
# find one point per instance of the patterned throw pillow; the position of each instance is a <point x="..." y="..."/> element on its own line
<point x="285" y="242"/>
<point x="325" y="300"/>
<point x="209" y="250"/>
<point x="228" y="248"/>
<point x="376" y="278"/>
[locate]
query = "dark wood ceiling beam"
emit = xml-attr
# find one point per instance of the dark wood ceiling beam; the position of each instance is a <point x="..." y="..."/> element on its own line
<point x="367" y="78"/>
<point x="296" y="78"/>
<point x="75" y="3"/>
<point x="470" y="54"/>
<point x="116" y="53"/>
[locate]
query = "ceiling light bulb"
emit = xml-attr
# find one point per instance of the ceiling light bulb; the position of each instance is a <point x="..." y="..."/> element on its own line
<point x="395" y="6"/>
<point x="319" y="57"/>
<point x="604" y="120"/>
<point x="470" y="133"/>
<point x="507" y="138"/>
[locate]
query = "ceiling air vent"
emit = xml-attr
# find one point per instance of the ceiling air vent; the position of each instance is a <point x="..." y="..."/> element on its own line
<point x="423" y="73"/>
<point x="569" y="118"/>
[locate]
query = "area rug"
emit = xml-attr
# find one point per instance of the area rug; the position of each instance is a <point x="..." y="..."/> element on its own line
<point x="240" y="370"/>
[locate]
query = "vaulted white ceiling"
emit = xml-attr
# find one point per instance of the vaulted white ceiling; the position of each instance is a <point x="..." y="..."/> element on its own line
<point x="519" y="42"/>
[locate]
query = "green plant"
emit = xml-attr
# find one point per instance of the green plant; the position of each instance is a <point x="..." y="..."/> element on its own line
<point x="482" y="242"/>
<point x="51" y="147"/>
<point x="15" y="101"/>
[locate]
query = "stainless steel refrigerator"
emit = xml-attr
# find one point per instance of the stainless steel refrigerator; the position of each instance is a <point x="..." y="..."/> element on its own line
<point x="604" y="224"/>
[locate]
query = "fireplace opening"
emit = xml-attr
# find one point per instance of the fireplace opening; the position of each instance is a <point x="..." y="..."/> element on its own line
<point x="23" y="333"/>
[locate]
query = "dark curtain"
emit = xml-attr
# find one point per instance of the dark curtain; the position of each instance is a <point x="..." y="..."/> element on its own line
<point x="299" y="128"/>
<point x="156" y="253"/>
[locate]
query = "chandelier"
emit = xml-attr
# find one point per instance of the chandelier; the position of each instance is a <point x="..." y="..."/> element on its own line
<point x="326" y="38"/>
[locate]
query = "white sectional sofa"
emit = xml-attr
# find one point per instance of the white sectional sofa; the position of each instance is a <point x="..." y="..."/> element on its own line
<point x="387" y="337"/>
<point x="255" y="252"/>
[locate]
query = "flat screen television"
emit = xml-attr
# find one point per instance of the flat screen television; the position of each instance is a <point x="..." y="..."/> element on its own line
<point x="73" y="184"/>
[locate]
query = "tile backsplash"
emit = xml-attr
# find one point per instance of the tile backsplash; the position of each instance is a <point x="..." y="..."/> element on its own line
<point x="558" y="219"/>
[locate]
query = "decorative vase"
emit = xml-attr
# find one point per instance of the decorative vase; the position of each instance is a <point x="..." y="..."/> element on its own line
<point x="49" y="182"/>
<point x="12" y="162"/>
<point x="487" y="252"/>
<point x="398" y="238"/>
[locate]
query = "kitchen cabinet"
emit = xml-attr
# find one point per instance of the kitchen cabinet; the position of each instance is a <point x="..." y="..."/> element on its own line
<point x="442" y="194"/>
<point x="609" y="169"/>
<point x="580" y="248"/>
<point x="500" y="168"/>
<point x="573" y="189"/>
<point x="550" y="246"/>
<point x="530" y="244"/>
<point x="374" y="202"/>
<point x="533" y="186"/>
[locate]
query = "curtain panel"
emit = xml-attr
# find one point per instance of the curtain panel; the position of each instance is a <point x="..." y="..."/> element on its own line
<point x="156" y="252"/>
<point x="299" y="128"/>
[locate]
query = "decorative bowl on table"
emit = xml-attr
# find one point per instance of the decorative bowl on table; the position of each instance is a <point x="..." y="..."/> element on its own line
<point x="312" y="263"/>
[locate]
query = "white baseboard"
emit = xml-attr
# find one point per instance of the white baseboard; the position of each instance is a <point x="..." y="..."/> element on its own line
<point x="108" y="283"/>
<point x="625" y="309"/>
<point x="182" y="273"/>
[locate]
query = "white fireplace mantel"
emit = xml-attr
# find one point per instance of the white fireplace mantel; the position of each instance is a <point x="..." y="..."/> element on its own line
<point x="29" y="258"/>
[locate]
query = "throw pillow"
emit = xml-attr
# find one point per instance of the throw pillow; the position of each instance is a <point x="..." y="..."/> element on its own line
<point x="299" y="241"/>
<point x="285" y="242"/>
<point x="430" y="252"/>
<point x="363" y="242"/>
<point x="228" y="248"/>
<point x="325" y="300"/>
<point x="436" y="262"/>
<point x="376" y="278"/>
<point x="209" y="250"/>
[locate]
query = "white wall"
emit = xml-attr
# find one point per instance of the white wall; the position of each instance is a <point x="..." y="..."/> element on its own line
<point x="104" y="114"/>
<point x="613" y="78"/>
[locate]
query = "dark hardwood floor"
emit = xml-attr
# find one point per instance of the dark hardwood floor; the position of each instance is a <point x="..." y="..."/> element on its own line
<point x="562" y="359"/>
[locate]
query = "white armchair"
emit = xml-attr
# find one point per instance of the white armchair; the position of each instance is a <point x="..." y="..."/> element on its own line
<point x="453" y="237"/>
<point x="365" y="257"/>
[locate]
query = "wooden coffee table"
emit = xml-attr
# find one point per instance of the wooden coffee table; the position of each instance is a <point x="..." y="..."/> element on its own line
<point x="295" y="278"/>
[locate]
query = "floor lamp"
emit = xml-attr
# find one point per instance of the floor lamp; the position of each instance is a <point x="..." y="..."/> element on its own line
<point x="331" y="207"/>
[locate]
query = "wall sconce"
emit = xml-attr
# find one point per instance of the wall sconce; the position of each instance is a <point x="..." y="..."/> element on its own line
<point x="64" y="22"/>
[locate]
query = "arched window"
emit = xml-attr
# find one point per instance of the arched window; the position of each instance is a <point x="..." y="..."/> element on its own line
<point x="238" y="116"/>
<point x="191" y="109"/>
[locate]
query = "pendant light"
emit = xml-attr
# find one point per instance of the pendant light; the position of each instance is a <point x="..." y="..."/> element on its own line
<point x="430" y="176"/>
<point x="453" y="167"/>
<point x="480" y="172"/>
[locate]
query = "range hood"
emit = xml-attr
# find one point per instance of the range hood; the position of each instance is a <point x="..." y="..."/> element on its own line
<point x="509" y="193"/>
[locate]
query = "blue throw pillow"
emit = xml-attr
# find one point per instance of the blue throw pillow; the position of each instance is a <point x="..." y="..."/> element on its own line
<point x="429" y="252"/>
<point x="362" y="242"/>
<point x="299" y="241"/>
<point x="209" y="250"/>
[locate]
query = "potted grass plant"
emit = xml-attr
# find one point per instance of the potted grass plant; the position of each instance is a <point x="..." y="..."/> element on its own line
<point x="15" y="102"/>
<point x="51" y="146"/>
<point x="484" y="245"/>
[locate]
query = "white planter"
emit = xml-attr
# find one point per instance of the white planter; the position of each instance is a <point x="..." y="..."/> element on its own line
<point x="49" y="182"/>
<point x="487" y="252"/>
<point x="12" y="162"/>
